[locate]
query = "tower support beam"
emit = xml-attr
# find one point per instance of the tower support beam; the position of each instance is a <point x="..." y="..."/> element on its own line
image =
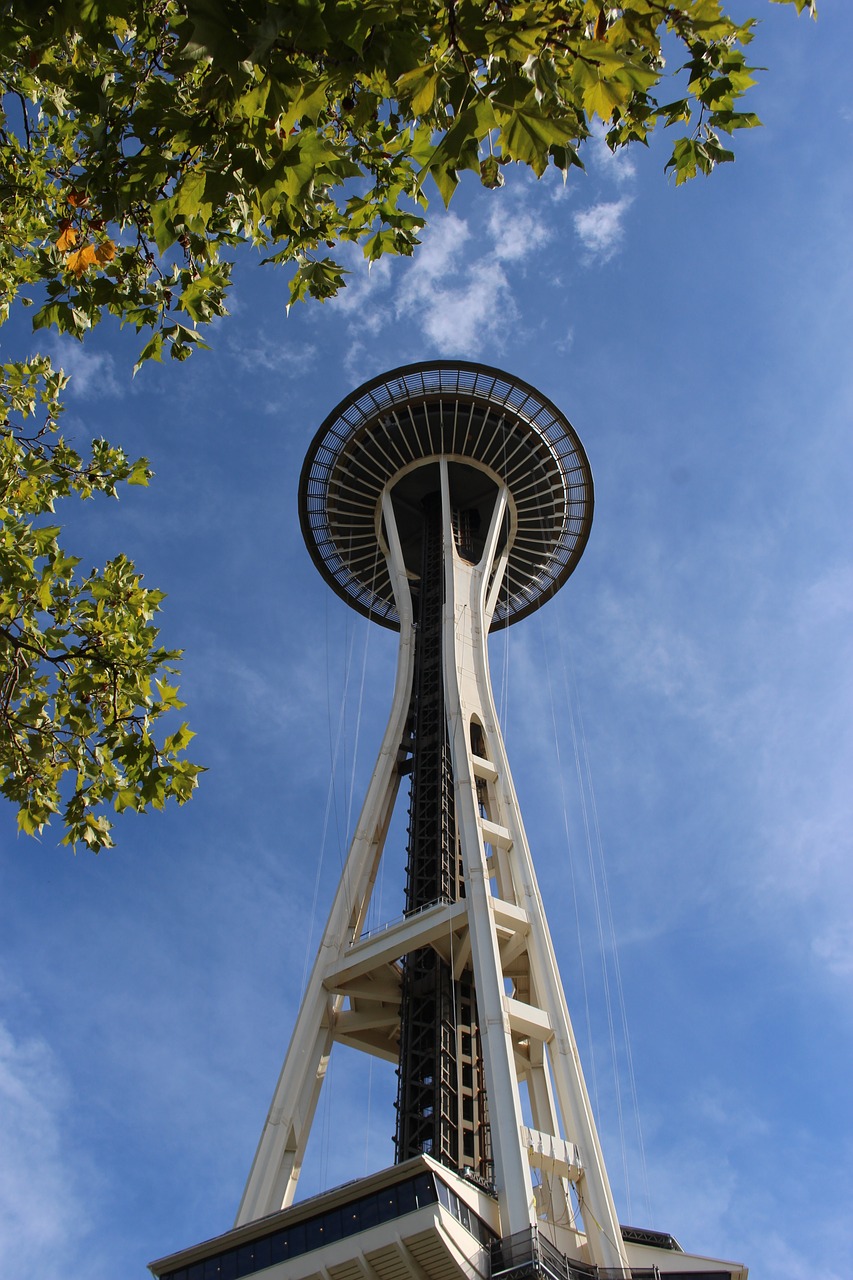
<point x="278" y="1160"/>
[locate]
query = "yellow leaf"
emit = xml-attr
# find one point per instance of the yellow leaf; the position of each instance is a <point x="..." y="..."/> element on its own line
<point x="105" y="252"/>
<point x="67" y="238"/>
<point x="600" y="97"/>
<point x="81" y="259"/>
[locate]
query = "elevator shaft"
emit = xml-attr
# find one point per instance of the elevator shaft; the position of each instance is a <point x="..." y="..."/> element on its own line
<point x="441" y="1098"/>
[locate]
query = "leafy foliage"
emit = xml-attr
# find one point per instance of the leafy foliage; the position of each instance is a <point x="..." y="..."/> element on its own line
<point x="142" y="141"/>
<point x="81" y="676"/>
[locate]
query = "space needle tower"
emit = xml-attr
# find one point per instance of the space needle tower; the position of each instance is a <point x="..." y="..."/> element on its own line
<point x="443" y="500"/>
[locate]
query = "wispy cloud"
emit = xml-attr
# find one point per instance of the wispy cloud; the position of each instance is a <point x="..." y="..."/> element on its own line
<point x="617" y="165"/>
<point x="460" y="301"/>
<point x="466" y="318"/>
<point x="268" y="355"/>
<point x="355" y="361"/>
<point x="760" y="708"/>
<point x="516" y="231"/>
<point x="835" y="949"/>
<point x="600" y="229"/>
<point x="41" y="1216"/>
<point x="830" y="596"/>
<point x="362" y="299"/>
<point x="92" y="373"/>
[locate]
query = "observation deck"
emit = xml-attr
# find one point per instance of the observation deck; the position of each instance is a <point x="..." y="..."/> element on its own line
<point x="492" y="428"/>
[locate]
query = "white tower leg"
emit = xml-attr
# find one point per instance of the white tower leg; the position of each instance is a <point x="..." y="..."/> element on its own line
<point x="278" y="1160"/>
<point x="516" y="1027"/>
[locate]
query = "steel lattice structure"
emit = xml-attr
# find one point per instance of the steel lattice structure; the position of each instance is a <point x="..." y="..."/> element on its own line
<point x="447" y="500"/>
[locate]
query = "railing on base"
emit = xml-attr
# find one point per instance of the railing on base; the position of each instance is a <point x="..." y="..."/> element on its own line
<point x="529" y="1256"/>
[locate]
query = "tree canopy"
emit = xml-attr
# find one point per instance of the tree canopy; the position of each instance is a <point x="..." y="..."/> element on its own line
<point x="141" y="143"/>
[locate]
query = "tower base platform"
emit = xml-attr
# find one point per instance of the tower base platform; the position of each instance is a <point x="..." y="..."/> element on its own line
<point x="417" y="1221"/>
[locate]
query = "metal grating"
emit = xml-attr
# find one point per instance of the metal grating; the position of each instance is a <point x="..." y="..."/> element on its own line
<point x="459" y="410"/>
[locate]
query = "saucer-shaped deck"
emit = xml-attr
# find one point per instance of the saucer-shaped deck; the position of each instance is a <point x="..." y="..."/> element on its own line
<point x="490" y="426"/>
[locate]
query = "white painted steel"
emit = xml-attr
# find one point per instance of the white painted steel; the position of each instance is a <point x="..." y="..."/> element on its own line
<point x="527" y="1039"/>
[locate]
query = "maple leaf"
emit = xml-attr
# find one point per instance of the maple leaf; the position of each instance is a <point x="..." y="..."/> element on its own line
<point x="105" y="252"/>
<point x="81" y="259"/>
<point x="67" y="236"/>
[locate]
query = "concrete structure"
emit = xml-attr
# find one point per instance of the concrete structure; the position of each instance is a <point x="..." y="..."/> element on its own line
<point x="444" y="500"/>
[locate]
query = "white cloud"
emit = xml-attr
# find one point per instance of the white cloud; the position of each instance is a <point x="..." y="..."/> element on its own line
<point x="835" y="949"/>
<point x="830" y="596"/>
<point x="365" y="284"/>
<point x="92" y="373"/>
<point x="455" y="290"/>
<point x="600" y="228"/>
<point x="40" y="1214"/>
<point x="465" y="319"/>
<point x="459" y="301"/>
<point x="274" y="356"/>
<point x="516" y="233"/>
<point x="459" y="306"/>
<point x="616" y="165"/>
<point x="442" y="245"/>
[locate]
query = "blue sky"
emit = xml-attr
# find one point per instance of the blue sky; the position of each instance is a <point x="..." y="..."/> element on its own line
<point x="699" y="341"/>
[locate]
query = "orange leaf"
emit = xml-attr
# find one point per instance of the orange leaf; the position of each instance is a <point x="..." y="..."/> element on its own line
<point x="67" y="238"/>
<point x="105" y="252"/>
<point x="81" y="259"/>
<point x="77" y="199"/>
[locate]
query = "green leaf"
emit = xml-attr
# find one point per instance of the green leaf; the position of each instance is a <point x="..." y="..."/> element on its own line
<point x="28" y="824"/>
<point x="179" y="740"/>
<point x="490" y="172"/>
<point x="153" y="350"/>
<point x="165" y="234"/>
<point x="527" y="134"/>
<point x="419" y="88"/>
<point x="188" y="204"/>
<point x="140" y="473"/>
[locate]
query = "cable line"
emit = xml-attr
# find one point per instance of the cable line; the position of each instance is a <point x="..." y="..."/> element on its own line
<point x="614" y="950"/>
